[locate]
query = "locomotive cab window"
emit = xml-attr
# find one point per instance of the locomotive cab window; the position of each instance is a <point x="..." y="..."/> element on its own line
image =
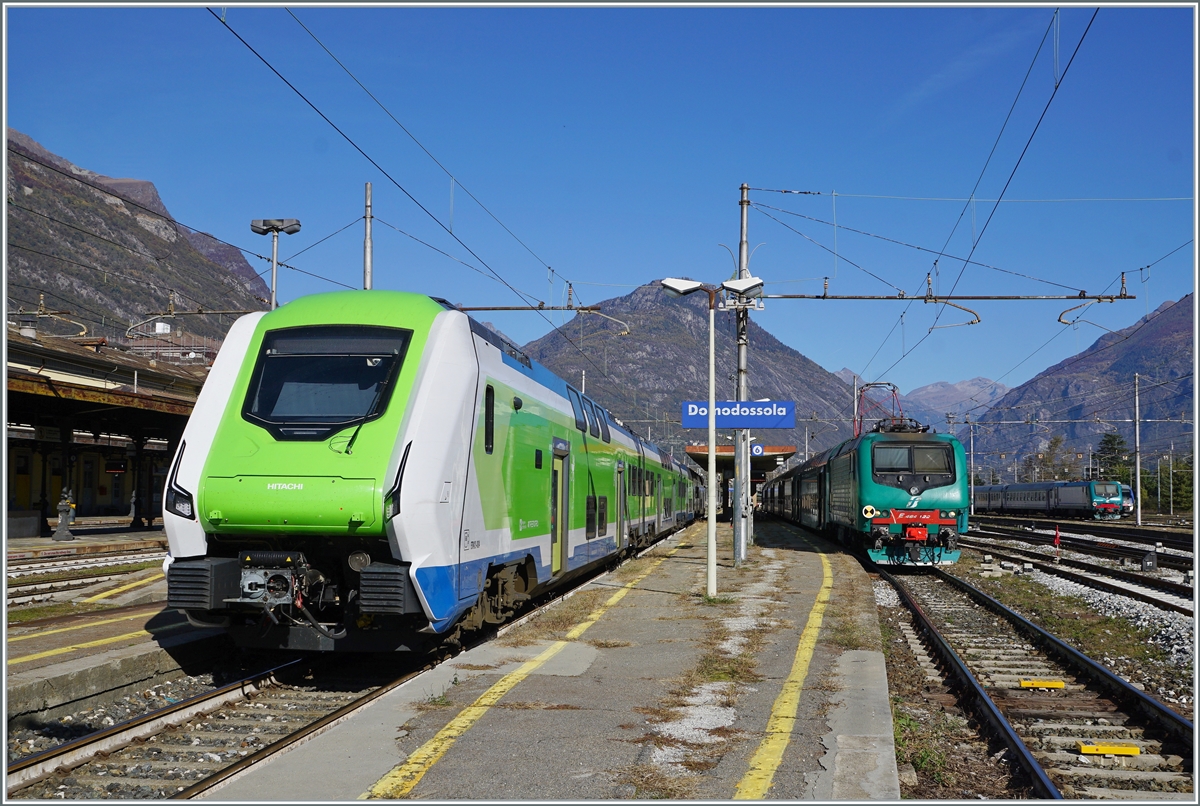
<point x="309" y="382"/>
<point x="918" y="459"/>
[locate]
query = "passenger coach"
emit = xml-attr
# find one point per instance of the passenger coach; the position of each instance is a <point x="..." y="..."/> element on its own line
<point x="374" y="470"/>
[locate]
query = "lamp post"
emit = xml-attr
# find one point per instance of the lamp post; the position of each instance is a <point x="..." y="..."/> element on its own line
<point x="678" y="288"/>
<point x="261" y="226"/>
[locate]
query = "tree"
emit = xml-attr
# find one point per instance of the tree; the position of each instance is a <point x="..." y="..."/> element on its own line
<point x="1112" y="458"/>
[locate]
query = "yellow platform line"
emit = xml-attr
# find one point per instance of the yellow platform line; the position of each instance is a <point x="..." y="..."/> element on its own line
<point x="90" y="644"/>
<point x="124" y="588"/>
<point x="401" y="780"/>
<point x="767" y="758"/>
<point x="14" y="638"/>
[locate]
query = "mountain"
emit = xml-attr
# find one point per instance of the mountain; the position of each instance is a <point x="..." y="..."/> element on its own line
<point x="930" y="404"/>
<point x="643" y="377"/>
<point x="1092" y="393"/>
<point x="105" y="261"/>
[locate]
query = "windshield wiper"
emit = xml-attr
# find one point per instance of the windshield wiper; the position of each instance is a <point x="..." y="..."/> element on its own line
<point x="370" y="410"/>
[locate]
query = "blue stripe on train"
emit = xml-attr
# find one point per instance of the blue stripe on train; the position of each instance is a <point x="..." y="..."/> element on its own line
<point x="447" y="602"/>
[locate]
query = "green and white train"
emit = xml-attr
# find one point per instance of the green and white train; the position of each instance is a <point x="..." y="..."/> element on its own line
<point x="375" y="471"/>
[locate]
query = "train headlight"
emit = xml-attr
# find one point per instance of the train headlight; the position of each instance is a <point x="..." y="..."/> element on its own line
<point x="178" y="500"/>
<point x="179" y="503"/>
<point x="358" y="561"/>
<point x="950" y="514"/>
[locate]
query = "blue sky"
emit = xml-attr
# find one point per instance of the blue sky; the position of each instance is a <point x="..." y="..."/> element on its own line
<point x="612" y="142"/>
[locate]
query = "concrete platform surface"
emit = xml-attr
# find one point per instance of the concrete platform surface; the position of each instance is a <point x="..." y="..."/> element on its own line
<point x="637" y="686"/>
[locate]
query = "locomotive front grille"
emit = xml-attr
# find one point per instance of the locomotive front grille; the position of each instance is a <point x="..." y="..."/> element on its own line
<point x="386" y="589"/>
<point x="202" y="584"/>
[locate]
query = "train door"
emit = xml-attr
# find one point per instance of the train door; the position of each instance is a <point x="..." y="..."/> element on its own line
<point x="559" y="510"/>
<point x="620" y="535"/>
<point x="658" y="503"/>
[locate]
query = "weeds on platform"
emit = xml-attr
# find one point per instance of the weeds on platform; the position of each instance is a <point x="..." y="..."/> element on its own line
<point x="553" y="624"/>
<point x="36" y="612"/>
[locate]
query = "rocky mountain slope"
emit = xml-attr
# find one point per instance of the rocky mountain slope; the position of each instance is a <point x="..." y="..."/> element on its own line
<point x="109" y="260"/>
<point x="1092" y="393"/>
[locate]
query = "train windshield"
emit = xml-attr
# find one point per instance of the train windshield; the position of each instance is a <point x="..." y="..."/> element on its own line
<point x="311" y="381"/>
<point x="1107" y="490"/>
<point x="912" y="458"/>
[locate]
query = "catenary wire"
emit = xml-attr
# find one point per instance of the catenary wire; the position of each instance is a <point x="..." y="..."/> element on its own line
<point x="420" y="145"/>
<point x="524" y="298"/>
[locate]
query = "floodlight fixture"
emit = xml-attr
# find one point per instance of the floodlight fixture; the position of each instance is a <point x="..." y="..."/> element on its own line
<point x="274" y="226"/>
<point x="288" y="226"/>
<point x="748" y="287"/>
<point x="677" y="288"/>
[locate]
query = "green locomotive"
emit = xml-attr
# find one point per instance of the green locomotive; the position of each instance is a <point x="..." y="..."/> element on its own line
<point x="897" y="491"/>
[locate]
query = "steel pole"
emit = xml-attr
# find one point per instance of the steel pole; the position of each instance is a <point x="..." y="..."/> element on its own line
<point x="367" y="247"/>
<point x="1137" y="446"/>
<point x="972" y="479"/>
<point x="711" y="574"/>
<point x="274" y="264"/>
<point x="741" y="480"/>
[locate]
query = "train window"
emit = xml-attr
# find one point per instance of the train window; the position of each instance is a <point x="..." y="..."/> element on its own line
<point x="591" y="415"/>
<point x="489" y="418"/>
<point x="309" y="382"/>
<point x="591" y="517"/>
<point x="537" y="459"/>
<point x="891" y="459"/>
<point x="577" y="407"/>
<point x="1107" y="490"/>
<point x="602" y="415"/>
<point x="931" y="459"/>
<point x="602" y="516"/>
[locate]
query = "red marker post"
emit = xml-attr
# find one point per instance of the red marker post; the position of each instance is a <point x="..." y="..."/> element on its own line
<point x="1057" y="547"/>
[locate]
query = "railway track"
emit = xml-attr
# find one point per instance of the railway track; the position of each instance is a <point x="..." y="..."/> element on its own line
<point x="194" y="746"/>
<point x="1147" y="535"/>
<point x="1096" y="547"/>
<point x="1075" y="728"/>
<point x="19" y="569"/>
<point x="1143" y="587"/>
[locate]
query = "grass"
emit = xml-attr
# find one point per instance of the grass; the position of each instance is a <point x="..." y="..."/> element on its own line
<point x="718" y="600"/>
<point x="555" y="623"/>
<point x="652" y="783"/>
<point x="1072" y="619"/>
<point x="918" y="742"/>
<point x="36" y="612"/>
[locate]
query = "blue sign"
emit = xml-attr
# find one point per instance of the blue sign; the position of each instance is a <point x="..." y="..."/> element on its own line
<point x="756" y="450"/>
<point x="744" y="414"/>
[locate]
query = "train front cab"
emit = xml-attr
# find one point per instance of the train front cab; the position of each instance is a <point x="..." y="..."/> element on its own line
<point x="913" y="498"/>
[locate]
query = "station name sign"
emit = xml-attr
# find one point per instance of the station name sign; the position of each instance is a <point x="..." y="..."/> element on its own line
<point x="741" y="414"/>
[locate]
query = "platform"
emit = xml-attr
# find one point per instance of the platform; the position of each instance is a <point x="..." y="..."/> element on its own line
<point x="637" y="686"/>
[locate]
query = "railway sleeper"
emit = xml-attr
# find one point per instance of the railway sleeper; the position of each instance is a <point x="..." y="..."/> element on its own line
<point x="1013" y="681"/>
<point x="1146" y="761"/>
<point x="1098" y="717"/>
<point x="1079" y="731"/>
<point x="1159" y="780"/>
<point x="1062" y="741"/>
<point x="1104" y="793"/>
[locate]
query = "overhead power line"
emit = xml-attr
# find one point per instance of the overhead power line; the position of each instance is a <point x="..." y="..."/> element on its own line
<point x="521" y="295"/>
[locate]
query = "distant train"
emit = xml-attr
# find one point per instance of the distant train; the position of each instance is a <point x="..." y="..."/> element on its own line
<point x="1101" y="500"/>
<point x="375" y="470"/>
<point x="898" y="492"/>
